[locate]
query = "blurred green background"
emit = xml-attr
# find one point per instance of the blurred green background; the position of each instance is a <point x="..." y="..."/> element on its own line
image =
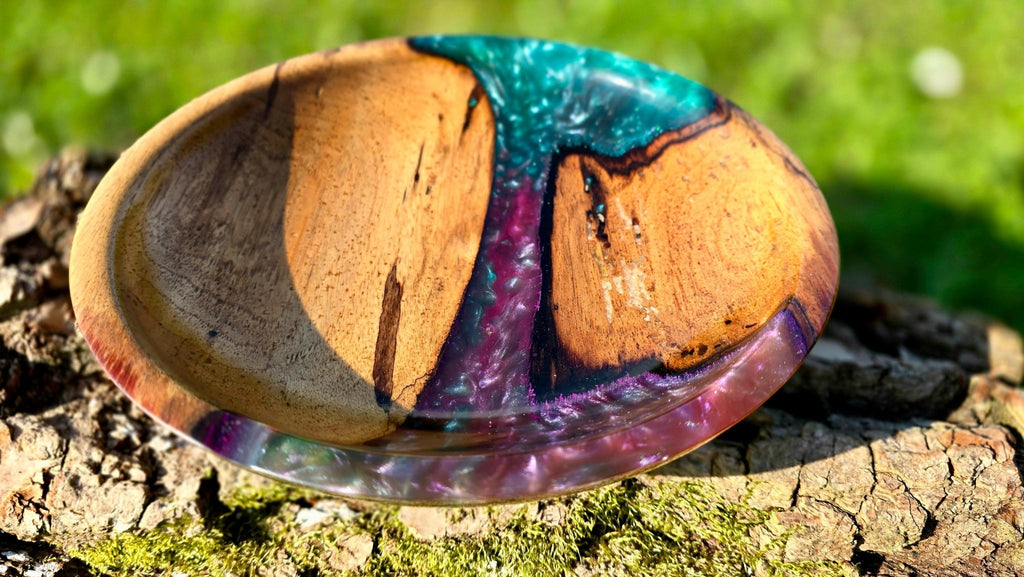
<point x="909" y="114"/>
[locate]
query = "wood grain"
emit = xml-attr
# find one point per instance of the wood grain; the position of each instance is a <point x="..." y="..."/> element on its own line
<point x="671" y="254"/>
<point x="294" y="247"/>
<point x="384" y="219"/>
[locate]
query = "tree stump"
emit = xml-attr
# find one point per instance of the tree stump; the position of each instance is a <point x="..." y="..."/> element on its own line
<point x="893" y="451"/>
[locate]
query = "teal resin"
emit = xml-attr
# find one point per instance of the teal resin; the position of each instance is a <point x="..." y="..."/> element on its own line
<point x="548" y="95"/>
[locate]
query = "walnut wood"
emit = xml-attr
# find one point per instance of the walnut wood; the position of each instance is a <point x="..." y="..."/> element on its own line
<point x="683" y="249"/>
<point x="295" y="245"/>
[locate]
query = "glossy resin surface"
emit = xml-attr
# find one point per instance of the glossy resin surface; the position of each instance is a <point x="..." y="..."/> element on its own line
<point x="454" y="269"/>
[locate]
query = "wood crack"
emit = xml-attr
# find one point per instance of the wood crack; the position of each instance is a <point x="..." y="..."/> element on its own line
<point x="387" y="340"/>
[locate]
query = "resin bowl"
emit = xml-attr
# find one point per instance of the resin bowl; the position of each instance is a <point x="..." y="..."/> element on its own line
<point x="454" y="269"/>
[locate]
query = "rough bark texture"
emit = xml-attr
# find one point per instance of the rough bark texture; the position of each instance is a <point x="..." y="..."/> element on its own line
<point x="896" y="450"/>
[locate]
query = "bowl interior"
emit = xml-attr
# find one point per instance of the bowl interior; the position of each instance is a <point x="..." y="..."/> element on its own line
<point x="460" y="269"/>
<point x="303" y="245"/>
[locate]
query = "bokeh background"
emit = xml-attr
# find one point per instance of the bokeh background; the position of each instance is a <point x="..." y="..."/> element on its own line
<point x="909" y="114"/>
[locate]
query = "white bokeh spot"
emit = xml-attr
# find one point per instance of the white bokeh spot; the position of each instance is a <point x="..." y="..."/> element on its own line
<point x="101" y="72"/>
<point x="937" y="73"/>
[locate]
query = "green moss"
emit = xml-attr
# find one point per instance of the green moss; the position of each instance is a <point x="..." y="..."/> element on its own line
<point x="231" y="538"/>
<point x="630" y="528"/>
<point x="677" y="528"/>
<point x="178" y="547"/>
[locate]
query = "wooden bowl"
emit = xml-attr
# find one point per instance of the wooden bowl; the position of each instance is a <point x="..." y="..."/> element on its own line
<point x="454" y="269"/>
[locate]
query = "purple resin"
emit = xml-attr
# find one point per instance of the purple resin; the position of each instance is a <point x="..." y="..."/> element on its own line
<point x="487" y="356"/>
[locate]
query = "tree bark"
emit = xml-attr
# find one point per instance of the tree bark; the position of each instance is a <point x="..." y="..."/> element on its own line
<point x="895" y="450"/>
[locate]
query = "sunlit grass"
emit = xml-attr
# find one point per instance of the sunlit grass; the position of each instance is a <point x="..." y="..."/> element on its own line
<point x="831" y="78"/>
